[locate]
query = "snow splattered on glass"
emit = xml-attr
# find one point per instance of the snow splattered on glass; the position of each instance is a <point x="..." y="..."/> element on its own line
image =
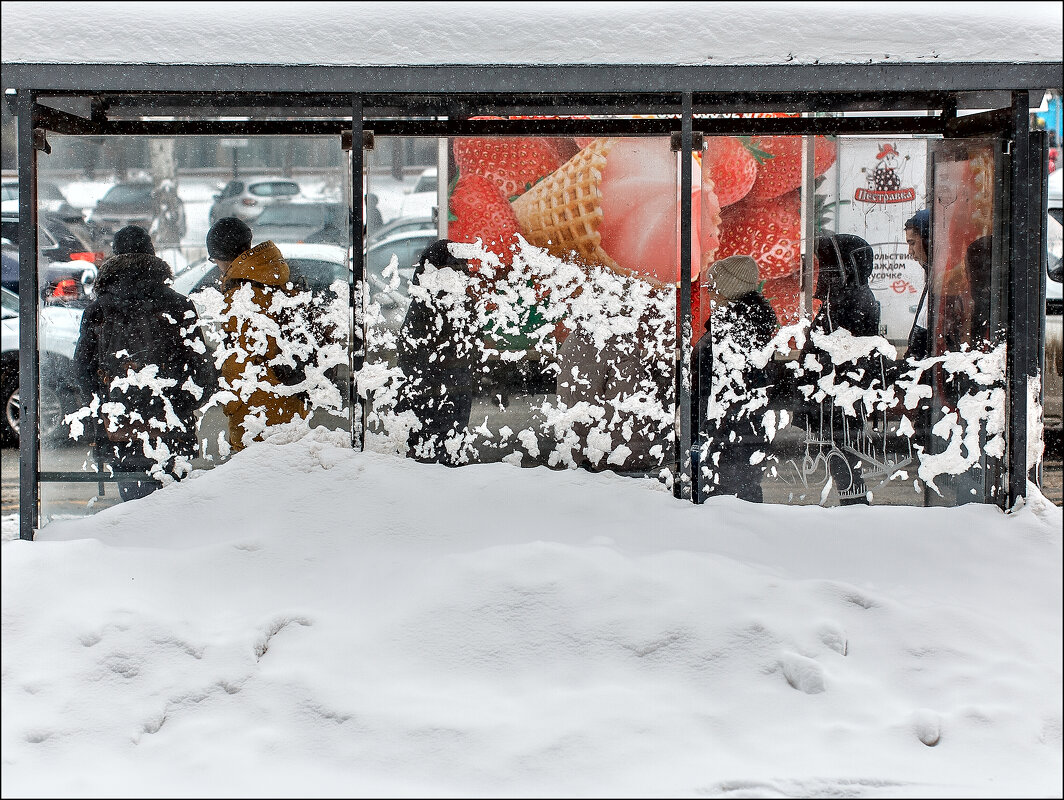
<point x="845" y="342"/>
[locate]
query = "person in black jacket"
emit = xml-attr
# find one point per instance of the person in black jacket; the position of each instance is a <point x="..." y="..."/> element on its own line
<point x="729" y="391"/>
<point x="437" y="352"/>
<point x="142" y="366"/>
<point x="846" y="303"/>
<point x="918" y="239"/>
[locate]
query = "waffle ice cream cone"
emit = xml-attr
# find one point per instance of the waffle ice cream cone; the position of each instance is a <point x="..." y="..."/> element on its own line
<point x="562" y="213"/>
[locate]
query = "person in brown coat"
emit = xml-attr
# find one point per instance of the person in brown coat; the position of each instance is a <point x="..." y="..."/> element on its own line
<point x="256" y="362"/>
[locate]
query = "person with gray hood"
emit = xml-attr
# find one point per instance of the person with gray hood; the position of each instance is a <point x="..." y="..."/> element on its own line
<point x="142" y="366"/>
<point x="729" y="391"/>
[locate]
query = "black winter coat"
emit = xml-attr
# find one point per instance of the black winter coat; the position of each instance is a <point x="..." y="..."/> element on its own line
<point x="744" y="325"/>
<point x="138" y="321"/>
<point x="855" y="309"/>
<point x="439" y="338"/>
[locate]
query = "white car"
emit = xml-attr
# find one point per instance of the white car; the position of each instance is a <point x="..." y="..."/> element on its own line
<point x="423" y="199"/>
<point x="60" y="327"/>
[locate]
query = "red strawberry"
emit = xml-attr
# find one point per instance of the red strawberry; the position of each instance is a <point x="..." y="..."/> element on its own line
<point x="781" y="171"/>
<point x="768" y="230"/>
<point x="479" y="210"/>
<point x="514" y="164"/>
<point x="730" y="164"/>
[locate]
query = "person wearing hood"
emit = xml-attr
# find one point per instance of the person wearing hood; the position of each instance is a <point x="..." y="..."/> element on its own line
<point x="256" y="359"/>
<point x="846" y="303"/>
<point x="729" y="391"/>
<point x="438" y="350"/>
<point x="918" y="239"/>
<point x="142" y="366"/>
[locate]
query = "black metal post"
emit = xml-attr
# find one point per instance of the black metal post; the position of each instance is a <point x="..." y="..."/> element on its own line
<point x="1020" y="283"/>
<point x="29" y="366"/>
<point x="682" y="488"/>
<point x="358" y="334"/>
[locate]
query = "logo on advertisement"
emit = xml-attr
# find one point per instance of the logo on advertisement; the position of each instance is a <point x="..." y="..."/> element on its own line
<point x="884" y="183"/>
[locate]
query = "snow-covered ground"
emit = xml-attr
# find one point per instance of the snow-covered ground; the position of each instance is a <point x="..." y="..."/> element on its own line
<point x="308" y="620"/>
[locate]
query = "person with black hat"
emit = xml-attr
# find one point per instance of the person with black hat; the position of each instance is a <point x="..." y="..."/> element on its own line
<point x="729" y="391"/>
<point x="846" y="303"/>
<point x="256" y="361"/>
<point x="437" y="351"/>
<point x="142" y="366"/>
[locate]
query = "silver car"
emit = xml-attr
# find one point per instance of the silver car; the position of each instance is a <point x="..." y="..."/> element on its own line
<point x="246" y="198"/>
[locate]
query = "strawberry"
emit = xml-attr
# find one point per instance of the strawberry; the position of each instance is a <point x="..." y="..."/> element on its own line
<point x="781" y="171"/>
<point x="730" y="162"/>
<point x="479" y="210"/>
<point x="514" y="164"/>
<point x="768" y="230"/>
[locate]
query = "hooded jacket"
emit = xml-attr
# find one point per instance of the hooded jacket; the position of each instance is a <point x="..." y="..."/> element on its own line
<point x="745" y="325"/>
<point x="254" y="332"/>
<point x="846" y="302"/>
<point x="138" y="321"/>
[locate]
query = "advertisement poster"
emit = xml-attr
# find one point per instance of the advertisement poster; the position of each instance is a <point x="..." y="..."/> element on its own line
<point x="961" y="215"/>
<point x="613" y="202"/>
<point x="878" y="185"/>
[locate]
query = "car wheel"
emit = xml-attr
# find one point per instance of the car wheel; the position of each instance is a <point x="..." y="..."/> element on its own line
<point x="9" y="397"/>
<point x="51" y="418"/>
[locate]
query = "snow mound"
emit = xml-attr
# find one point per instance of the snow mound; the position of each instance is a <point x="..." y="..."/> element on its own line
<point x="355" y="624"/>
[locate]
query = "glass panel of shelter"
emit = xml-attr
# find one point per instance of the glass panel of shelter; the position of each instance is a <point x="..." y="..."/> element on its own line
<point x="89" y="429"/>
<point x="544" y="334"/>
<point x="850" y="384"/>
<point x="548" y="335"/>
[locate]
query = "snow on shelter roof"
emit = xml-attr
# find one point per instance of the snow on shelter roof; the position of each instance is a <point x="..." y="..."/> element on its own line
<point x="469" y="33"/>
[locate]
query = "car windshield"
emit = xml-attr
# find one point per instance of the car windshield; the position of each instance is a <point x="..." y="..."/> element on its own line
<point x="128" y="193"/>
<point x="426" y="183"/>
<point x="47" y="191"/>
<point x="406" y="250"/>
<point x="292" y="214"/>
<point x="10" y="303"/>
<point x="274" y="189"/>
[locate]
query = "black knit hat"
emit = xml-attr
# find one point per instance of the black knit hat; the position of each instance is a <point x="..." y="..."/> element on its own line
<point x="132" y="239"/>
<point x="228" y="238"/>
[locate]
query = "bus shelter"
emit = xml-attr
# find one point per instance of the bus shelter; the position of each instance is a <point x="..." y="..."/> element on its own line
<point x="593" y="207"/>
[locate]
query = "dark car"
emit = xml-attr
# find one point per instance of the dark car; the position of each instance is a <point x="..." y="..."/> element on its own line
<point x="156" y="209"/>
<point x="57" y="240"/>
<point x="312" y="222"/>
<point x="69" y="271"/>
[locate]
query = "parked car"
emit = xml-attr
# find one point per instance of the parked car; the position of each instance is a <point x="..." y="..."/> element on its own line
<point x="422" y="199"/>
<point x="50" y="198"/>
<point x="246" y="198"/>
<point x="1053" y="375"/>
<point x="318" y="265"/>
<point x="69" y="272"/>
<point x="406" y="246"/>
<point x="139" y="202"/>
<point x="58" y="329"/>
<point x="400" y="225"/>
<point x="57" y="240"/>
<point x="310" y="221"/>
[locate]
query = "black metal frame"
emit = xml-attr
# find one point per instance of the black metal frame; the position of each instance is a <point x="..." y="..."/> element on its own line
<point x="121" y="99"/>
